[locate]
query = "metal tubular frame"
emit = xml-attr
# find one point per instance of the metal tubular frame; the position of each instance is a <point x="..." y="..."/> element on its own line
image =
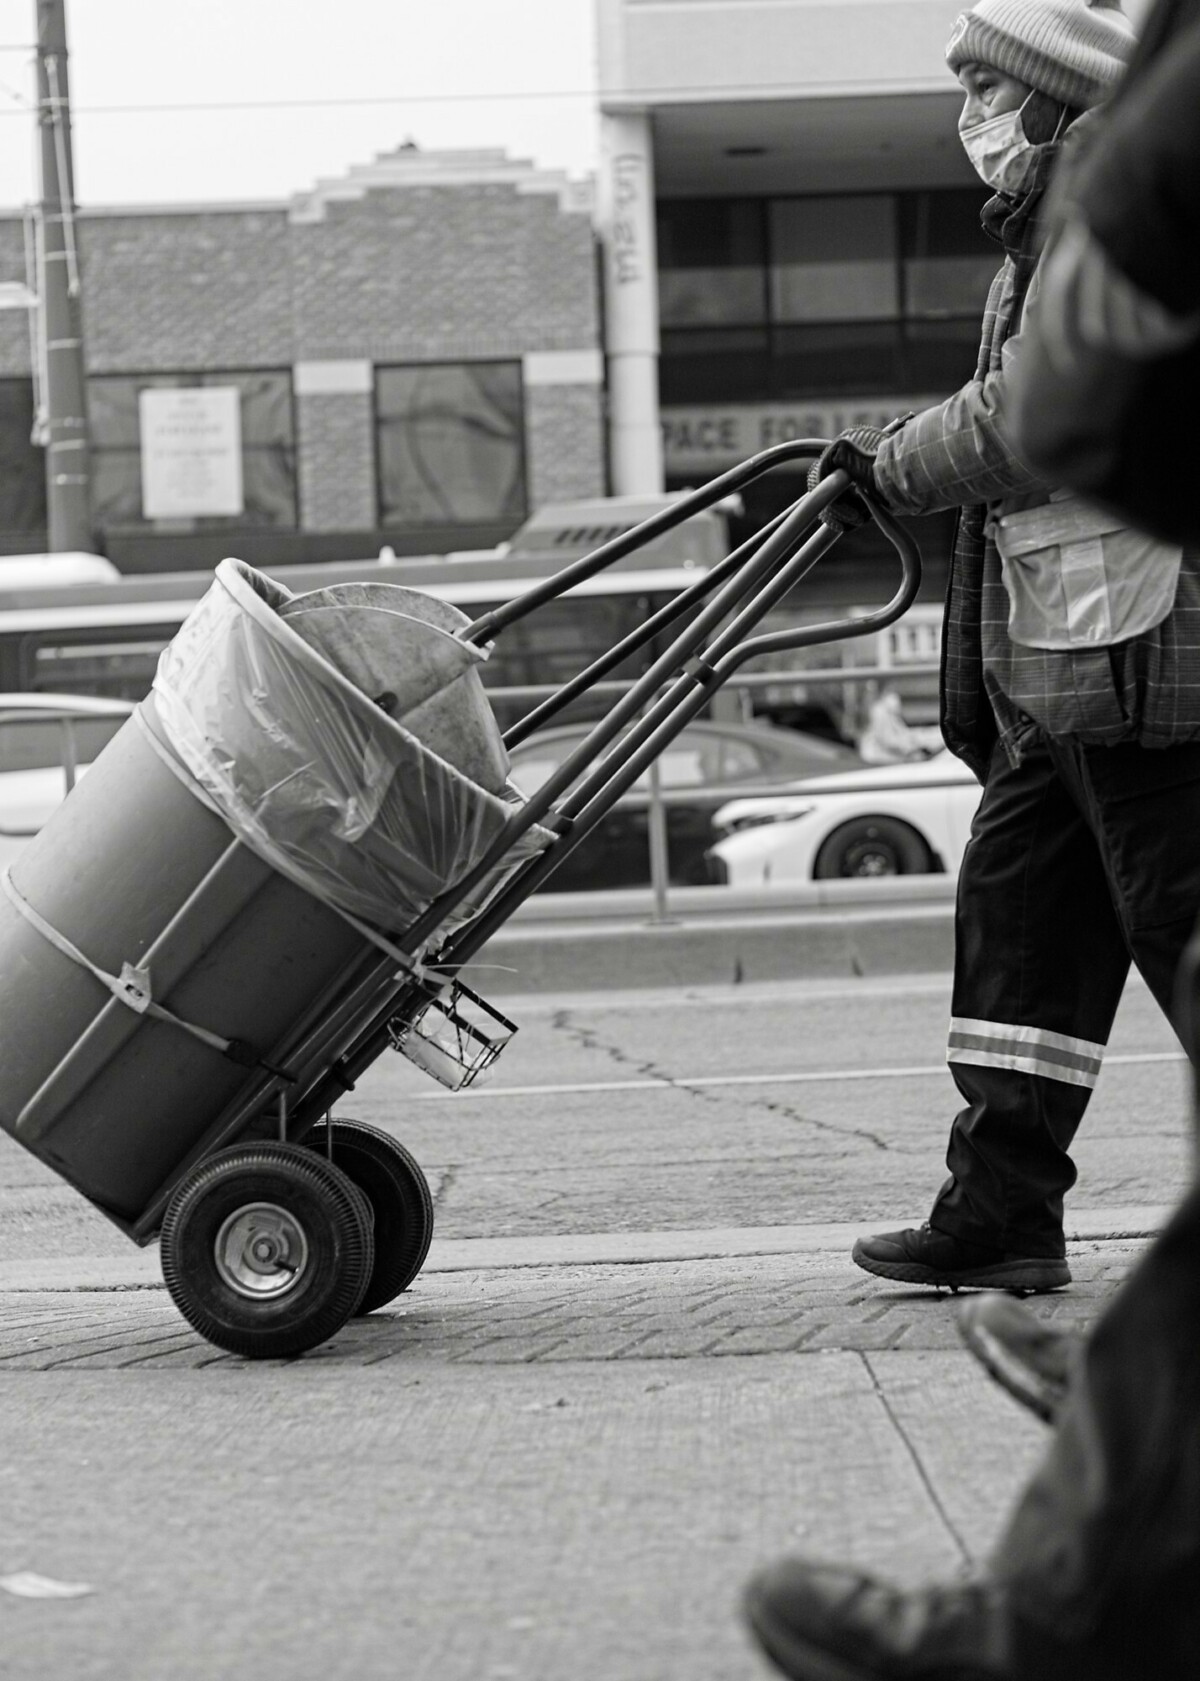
<point x="343" y="1033"/>
<point x="750" y="582"/>
<point x="589" y="679"/>
<point x="486" y="628"/>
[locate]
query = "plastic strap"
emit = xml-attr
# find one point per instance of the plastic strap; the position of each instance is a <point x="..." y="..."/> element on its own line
<point x="179" y="771"/>
<point x="132" y="987"/>
<point x="409" y="964"/>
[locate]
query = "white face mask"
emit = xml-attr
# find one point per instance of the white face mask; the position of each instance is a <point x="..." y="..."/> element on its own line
<point x="1000" y="152"/>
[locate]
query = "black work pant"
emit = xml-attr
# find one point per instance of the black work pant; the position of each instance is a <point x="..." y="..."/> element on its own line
<point x="1080" y="859"/>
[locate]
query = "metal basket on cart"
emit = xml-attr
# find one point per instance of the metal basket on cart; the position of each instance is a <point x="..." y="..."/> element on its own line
<point x="270" y="877"/>
<point x="455" y="1037"/>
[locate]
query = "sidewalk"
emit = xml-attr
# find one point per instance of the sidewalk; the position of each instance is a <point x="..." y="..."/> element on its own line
<point x="552" y="1457"/>
<point x="826" y="1245"/>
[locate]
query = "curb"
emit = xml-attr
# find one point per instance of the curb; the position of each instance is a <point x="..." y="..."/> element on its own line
<point x="140" y="1270"/>
<point x="821" y="930"/>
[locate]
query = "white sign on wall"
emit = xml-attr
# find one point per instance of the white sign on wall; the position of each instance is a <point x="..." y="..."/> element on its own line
<point x="710" y="437"/>
<point x="191" y="451"/>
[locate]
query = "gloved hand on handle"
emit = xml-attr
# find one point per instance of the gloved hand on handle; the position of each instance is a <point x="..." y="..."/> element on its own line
<point x="854" y="451"/>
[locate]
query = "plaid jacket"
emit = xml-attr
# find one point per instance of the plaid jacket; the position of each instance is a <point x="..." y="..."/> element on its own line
<point x="958" y="455"/>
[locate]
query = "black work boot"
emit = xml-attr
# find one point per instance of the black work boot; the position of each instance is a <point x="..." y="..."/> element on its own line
<point x="825" y="1622"/>
<point x="1030" y="1359"/>
<point x="821" y="1622"/>
<point x="925" y="1256"/>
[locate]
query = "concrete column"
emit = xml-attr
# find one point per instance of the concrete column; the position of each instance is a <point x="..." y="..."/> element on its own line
<point x="630" y="302"/>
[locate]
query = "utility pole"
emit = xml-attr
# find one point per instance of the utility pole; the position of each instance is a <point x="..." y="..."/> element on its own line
<point x="68" y="488"/>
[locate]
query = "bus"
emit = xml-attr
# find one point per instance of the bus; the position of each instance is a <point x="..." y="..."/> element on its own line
<point x="103" y="638"/>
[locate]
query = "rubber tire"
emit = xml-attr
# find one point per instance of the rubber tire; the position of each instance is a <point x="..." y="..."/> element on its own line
<point x="400" y="1200"/>
<point x="335" y="1223"/>
<point x="889" y="837"/>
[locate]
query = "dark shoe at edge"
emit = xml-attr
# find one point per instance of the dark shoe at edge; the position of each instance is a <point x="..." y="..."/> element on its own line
<point x="821" y="1622"/>
<point x="921" y="1255"/>
<point x="1031" y="1360"/>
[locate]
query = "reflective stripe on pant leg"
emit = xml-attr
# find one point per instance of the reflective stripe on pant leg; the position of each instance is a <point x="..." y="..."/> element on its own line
<point x="1025" y="1050"/>
<point x="1037" y="944"/>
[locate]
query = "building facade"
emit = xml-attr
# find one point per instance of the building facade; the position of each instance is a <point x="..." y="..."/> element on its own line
<point x="407" y="357"/>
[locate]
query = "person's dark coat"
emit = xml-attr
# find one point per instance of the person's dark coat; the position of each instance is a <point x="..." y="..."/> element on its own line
<point x="1107" y="401"/>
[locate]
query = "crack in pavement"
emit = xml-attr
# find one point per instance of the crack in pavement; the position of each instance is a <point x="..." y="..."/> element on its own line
<point x="446" y="1183"/>
<point x="588" y="1039"/>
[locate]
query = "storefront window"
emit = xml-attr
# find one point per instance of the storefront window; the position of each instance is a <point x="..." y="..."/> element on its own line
<point x="940" y="355"/>
<point x="846" y="358"/>
<point x="450" y="444"/>
<point x="725" y="363"/>
<point x="834" y="259"/>
<point x="830" y="296"/>
<point x="22" y="463"/>
<point x="711" y="263"/>
<point x="238" y="472"/>
<point x="948" y="262"/>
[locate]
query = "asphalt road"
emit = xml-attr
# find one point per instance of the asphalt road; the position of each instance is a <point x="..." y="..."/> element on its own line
<point x="637" y="1363"/>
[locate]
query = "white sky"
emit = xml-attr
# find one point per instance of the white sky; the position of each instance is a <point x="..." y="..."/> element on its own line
<point x="414" y="54"/>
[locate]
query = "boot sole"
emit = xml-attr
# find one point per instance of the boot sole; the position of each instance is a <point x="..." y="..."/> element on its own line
<point x="793" y="1656"/>
<point x="1037" y="1394"/>
<point x="1031" y="1276"/>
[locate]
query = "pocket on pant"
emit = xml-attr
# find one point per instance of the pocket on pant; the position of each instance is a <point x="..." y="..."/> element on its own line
<point x="1147" y="805"/>
<point x="1077" y="577"/>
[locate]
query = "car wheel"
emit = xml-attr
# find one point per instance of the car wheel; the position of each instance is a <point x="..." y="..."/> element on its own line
<point x="872" y="846"/>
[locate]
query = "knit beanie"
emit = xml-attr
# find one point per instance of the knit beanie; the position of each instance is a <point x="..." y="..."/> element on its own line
<point x="1068" y="49"/>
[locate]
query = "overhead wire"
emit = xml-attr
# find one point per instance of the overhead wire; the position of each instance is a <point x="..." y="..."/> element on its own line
<point x="363" y="101"/>
<point x="350" y="101"/>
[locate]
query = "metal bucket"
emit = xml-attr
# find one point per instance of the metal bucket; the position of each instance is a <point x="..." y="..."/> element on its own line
<point x="399" y="647"/>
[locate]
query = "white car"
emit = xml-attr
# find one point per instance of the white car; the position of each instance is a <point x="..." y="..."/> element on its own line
<point x="905" y="819"/>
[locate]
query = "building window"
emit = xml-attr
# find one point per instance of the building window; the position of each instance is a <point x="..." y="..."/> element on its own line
<point x="860" y="294"/>
<point x="450" y="442"/>
<point x="22" y="463"/>
<point x="948" y="263"/>
<point x="227" y="461"/>
<point x="734" y="362"/>
<point x="834" y="259"/>
<point x="712" y="264"/>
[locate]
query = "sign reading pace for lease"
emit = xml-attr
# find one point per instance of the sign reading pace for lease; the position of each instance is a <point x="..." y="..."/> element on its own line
<point x="706" y="438"/>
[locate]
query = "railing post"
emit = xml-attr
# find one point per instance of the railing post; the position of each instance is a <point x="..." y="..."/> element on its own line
<point x="660" y="865"/>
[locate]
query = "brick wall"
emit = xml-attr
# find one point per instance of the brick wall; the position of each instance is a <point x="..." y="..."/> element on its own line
<point x="564" y="433"/>
<point x="426" y="274"/>
<point x="335" y="460"/>
<point x="388" y="265"/>
<point x="183" y="291"/>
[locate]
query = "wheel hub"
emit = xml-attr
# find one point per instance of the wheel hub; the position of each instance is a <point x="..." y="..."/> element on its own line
<point x="261" y="1250"/>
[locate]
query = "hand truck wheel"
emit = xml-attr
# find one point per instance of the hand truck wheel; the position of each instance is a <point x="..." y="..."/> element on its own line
<point x="400" y="1200"/>
<point x="266" y="1249"/>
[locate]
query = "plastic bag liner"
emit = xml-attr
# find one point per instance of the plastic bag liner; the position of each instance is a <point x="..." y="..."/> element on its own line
<point x="311" y="774"/>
